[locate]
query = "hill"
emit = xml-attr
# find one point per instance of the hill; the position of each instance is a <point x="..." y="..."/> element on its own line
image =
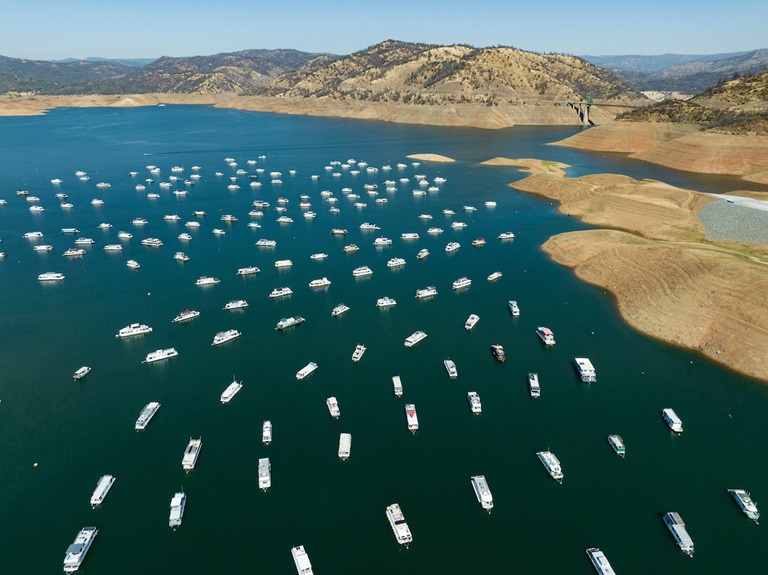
<point x="738" y="106"/>
<point x="236" y="72"/>
<point x="688" y="74"/>
<point x="405" y="72"/>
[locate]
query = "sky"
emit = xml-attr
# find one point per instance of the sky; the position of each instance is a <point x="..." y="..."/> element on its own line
<point x="56" y="29"/>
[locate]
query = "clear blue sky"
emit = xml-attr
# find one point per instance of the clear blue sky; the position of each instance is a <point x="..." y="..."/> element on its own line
<point x="56" y="29"/>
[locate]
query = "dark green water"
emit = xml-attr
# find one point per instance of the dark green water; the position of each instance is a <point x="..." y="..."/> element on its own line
<point x="78" y="431"/>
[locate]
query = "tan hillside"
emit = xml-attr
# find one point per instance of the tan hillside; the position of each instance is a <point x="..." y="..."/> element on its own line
<point x="668" y="280"/>
<point x="739" y="106"/>
<point x="423" y="74"/>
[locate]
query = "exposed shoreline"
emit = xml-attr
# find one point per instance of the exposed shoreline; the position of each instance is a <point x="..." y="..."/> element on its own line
<point x="668" y="281"/>
<point x="681" y="147"/>
<point x="506" y="115"/>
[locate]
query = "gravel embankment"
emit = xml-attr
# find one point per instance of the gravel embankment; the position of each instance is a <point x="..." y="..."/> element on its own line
<point x="726" y="221"/>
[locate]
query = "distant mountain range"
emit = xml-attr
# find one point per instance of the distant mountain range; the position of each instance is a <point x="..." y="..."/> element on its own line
<point x="689" y="74"/>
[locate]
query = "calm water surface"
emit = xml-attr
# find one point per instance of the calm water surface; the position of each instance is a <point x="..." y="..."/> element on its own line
<point x="77" y="431"/>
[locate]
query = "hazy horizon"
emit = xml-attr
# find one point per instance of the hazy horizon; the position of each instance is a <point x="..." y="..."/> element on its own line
<point x="148" y="30"/>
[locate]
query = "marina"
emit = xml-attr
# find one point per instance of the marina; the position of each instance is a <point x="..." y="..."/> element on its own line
<point x="101" y="294"/>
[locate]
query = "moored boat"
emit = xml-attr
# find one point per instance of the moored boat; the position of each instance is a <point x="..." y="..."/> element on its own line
<point x="50" y="277"/>
<point x="514" y="309"/>
<point x="146" y="415"/>
<point x="345" y="445"/>
<point x="301" y="560"/>
<point x="397" y="385"/>
<point x="423" y="253"/>
<point x="546" y="335"/>
<point x="266" y="432"/>
<point x="414" y="338"/>
<point x="77" y="551"/>
<point x="474" y="402"/>
<point x="358" y="353"/>
<point x="280" y="292"/>
<point x="306" y="370"/>
<point x="498" y="352"/>
<point x="551" y="464"/>
<point x="450" y="367"/>
<point x="429" y="291"/>
<point x="320" y="283"/>
<point x="462" y="283"/>
<point x="362" y="271"/>
<point x="82" y="372"/>
<point x="333" y="407"/>
<point x="676" y="527"/>
<point x="399" y="526"/>
<point x="585" y="369"/>
<point x="533" y="385"/>
<point x="207" y="281"/>
<point x="133" y="330"/>
<point x="385" y="302"/>
<point x="186" y="315"/>
<point x="225" y="336"/>
<point x="600" y="562"/>
<point x="102" y="488"/>
<point x="191" y="453"/>
<point x="494" y="276"/>
<point x="482" y="492"/>
<point x="339" y="309"/>
<point x="618" y="445"/>
<point x="236" y="304"/>
<point x="133" y="264"/>
<point x="178" y="503"/>
<point x="471" y="321"/>
<point x="672" y="420"/>
<point x="160" y="354"/>
<point x="231" y="391"/>
<point x="746" y="504"/>
<point x="411" y="418"/>
<point x="247" y="271"/>
<point x="287" y="322"/>
<point x="265" y="473"/>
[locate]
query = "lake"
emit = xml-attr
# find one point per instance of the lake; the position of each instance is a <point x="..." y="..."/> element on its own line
<point x="59" y="436"/>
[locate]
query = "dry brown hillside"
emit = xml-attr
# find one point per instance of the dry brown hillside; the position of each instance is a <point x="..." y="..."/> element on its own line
<point x="738" y="106"/>
<point x="403" y="72"/>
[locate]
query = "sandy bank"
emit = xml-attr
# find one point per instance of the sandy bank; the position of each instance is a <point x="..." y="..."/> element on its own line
<point x="680" y="146"/>
<point x="431" y="158"/>
<point x="668" y="281"/>
<point x="530" y="165"/>
<point x="535" y="113"/>
<point x="701" y="299"/>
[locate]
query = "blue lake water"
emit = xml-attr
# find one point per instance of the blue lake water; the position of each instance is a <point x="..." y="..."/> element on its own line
<point x="76" y="431"/>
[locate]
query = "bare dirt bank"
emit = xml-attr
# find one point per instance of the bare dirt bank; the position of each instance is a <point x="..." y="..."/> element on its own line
<point x="472" y="115"/>
<point x="431" y="158"/>
<point x="669" y="282"/>
<point x="680" y="146"/>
